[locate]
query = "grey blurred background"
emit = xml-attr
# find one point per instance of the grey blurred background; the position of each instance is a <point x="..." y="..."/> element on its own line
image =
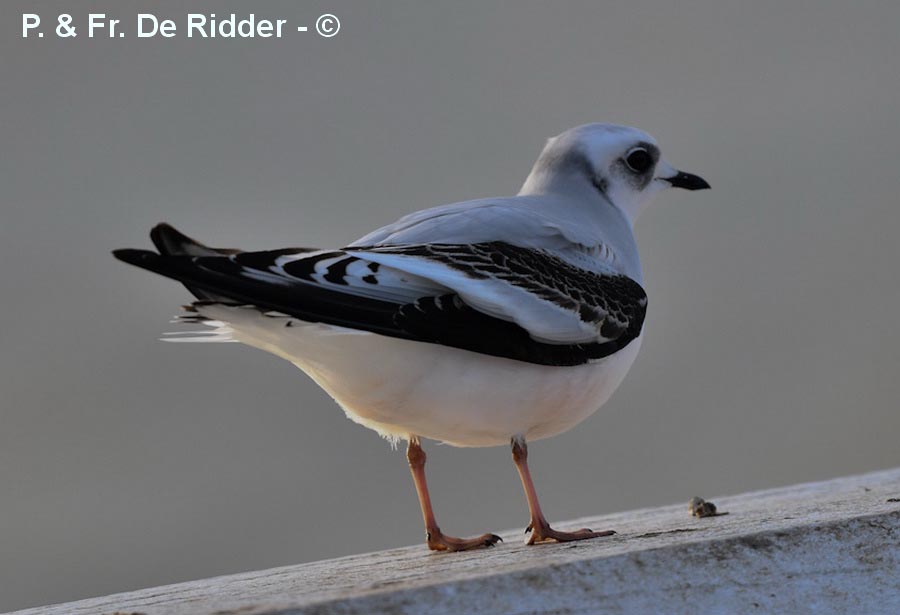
<point x="771" y="354"/>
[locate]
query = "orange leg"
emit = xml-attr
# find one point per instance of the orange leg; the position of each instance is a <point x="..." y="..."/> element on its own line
<point x="436" y="539"/>
<point x="539" y="527"/>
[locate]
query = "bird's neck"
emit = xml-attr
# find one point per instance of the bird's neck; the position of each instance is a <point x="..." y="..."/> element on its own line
<point x="576" y="188"/>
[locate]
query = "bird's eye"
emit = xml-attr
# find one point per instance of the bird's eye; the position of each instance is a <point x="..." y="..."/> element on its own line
<point x="639" y="160"/>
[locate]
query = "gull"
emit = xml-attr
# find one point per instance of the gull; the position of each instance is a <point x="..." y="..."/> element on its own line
<point x="490" y="322"/>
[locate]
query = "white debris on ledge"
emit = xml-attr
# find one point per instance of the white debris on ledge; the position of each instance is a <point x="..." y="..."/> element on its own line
<point x="828" y="547"/>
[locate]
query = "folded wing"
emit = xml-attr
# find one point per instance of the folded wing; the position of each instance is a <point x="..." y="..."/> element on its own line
<point x="492" y="297"/>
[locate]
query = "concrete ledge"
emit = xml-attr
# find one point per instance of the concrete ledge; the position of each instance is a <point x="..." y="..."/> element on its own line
<point x="828" y="547"/>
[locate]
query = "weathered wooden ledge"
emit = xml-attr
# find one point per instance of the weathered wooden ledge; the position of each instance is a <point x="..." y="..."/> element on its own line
<point x="828" y="547"/>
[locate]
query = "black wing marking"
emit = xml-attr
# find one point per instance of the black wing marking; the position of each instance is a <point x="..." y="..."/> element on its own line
<point x="170" y="241"/>
<point x="449" y="321"/>
<point x="228" y="279"/>
<point x="616" y="304"/>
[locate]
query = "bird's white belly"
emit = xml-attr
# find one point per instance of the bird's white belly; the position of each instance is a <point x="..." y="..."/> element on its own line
<point x="399" y="387"/>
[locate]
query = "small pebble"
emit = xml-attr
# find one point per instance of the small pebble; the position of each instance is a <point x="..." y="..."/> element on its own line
<point x="701" y="508"/>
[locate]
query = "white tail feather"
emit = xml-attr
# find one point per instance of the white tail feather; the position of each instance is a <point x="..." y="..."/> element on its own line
<point x="221" y="333"/>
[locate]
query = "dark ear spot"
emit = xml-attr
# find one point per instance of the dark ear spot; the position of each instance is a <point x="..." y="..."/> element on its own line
<point x="573" y="161"/>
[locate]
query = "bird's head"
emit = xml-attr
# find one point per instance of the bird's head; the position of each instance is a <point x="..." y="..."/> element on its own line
<point x="620" y="163"/>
